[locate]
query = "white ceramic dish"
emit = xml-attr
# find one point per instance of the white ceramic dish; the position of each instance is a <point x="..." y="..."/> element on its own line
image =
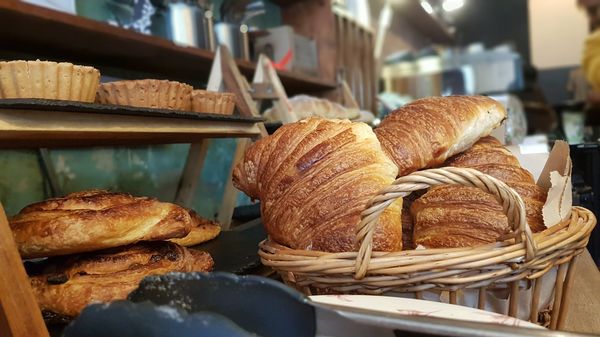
<point x="406" y="306"/>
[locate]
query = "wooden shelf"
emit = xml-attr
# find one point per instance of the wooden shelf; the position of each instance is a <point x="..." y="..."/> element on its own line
<point x="40" y="128"/>
<point x="54" y="35"/>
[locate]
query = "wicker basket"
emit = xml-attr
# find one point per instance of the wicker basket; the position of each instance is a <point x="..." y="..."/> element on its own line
<point x="516" y="262"/>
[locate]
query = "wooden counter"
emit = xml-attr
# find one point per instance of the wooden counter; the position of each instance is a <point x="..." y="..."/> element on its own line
<point x="584" y="308"/>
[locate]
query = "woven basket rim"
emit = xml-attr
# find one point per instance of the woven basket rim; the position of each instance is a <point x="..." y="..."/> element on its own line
<point x="526" y="255"/>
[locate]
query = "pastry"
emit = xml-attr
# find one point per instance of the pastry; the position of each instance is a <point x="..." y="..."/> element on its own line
<point x="48" y="80"/>
<point x="460" y="216"/>
<point x="314" y="178"/>
<point x="222" y="103"/>
<point x="489" y="156"/>
<point x="64" y="285"/>
<point x="428" y="131"/>
<point x="92" y="220"/>
<point x="452" y="216"/>
<point x="202" y="230"/>
<point x="305" y="106"/>
<point x="158" y="94"/>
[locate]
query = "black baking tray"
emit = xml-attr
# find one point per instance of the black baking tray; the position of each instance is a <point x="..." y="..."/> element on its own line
<point x="51" y="105"/>
<point x="236" y="251"/>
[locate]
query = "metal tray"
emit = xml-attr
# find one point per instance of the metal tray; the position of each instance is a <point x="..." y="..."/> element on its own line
<point x="81" y="107"/>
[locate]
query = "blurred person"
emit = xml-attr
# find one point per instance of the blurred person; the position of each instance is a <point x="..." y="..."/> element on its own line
<point x="591" y="60"/>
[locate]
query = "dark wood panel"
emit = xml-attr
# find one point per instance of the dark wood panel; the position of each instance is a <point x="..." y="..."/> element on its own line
<point x="53" y="35"/>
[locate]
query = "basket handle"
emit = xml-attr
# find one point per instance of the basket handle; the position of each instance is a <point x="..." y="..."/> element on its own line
<point x="511" y="202"/>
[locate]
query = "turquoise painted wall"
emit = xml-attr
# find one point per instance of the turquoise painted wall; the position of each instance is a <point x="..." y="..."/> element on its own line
<point x="150" y="171"/>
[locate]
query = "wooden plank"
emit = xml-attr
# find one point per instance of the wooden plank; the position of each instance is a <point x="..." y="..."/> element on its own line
<point x="36" y="128"/>
<point x="40" y="32"/>
<point x="191" y="173"/>
<point x="582" y="314"/>
<point x="49" y="172"/>
<point x="315" y="19"/>
<point x="230" y="193"/>
<point x="20" y="315"/>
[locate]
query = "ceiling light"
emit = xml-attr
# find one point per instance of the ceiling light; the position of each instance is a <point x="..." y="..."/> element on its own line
<point x="451" y="5"/>
<point x="427" y="7"/>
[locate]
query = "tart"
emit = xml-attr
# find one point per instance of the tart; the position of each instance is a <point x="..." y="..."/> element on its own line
<point x="158" y="94"/>
<point x="48" y="80"/>
<point x="222" y="103"/>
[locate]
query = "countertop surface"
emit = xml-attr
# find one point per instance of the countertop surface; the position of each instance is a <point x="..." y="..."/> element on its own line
<point x="584" y="308"/>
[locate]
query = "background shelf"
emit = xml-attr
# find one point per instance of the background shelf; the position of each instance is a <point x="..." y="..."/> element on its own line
<point x="58" y="36"/>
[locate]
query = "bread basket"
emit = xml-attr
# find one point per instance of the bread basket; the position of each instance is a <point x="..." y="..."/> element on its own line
<point x="513" y="265"/>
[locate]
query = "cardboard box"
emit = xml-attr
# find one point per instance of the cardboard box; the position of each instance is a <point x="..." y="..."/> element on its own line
<point x="288" y="50"/>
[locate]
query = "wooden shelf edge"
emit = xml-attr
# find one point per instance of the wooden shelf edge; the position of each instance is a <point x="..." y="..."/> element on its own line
<point x="31" y="128"/>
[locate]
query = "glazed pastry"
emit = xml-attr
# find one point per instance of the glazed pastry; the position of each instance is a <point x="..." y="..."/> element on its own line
<point x="428" y="131"/>
<point x="48" y="80"/>
<point x="222" y="103"/>
<point x="92" y="220"/>
<point x="202" y="230"/>
<point x="158" y="94"/>
<point x="314" y="178"/>
<point x="64" y="285"/>
<point x="459" y="216"/>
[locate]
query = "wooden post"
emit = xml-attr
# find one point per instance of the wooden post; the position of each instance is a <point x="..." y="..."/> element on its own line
<point x="20" y="315"/>
<point x="191" y="171"/>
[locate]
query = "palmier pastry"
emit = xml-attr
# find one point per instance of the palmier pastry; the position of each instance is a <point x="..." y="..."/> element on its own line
<point x="92" y="220"/>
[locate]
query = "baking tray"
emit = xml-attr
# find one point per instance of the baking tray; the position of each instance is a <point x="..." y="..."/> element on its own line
<point x="236" y="251"/>
<point x="51" y="105"/>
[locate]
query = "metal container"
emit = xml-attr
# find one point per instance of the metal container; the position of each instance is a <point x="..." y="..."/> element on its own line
<point x="229" y="34"/>
<point x="187" y="25"/>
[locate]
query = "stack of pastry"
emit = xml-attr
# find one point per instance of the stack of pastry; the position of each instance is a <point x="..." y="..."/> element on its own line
<point x="315" y="177"/>
<point x="101" y="244"/>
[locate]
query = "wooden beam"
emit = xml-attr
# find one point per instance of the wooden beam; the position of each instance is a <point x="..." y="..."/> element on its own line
<point x="230" y="193"/>
<point x="191" y="173"/>
<point x="20" y="315"/>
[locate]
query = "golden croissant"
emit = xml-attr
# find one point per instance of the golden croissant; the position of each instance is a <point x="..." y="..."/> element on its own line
<point x="314" y="178"/>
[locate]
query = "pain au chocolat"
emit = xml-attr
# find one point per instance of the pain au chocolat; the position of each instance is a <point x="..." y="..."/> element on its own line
<point x="64" y="285"/>
<point x="92" y="220"/>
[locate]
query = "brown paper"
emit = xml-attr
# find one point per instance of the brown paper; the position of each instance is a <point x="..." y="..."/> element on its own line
<point x="556" y="179"/>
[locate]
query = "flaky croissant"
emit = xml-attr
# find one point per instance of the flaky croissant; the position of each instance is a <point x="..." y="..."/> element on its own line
<point x="427" y="131"/>
<point x="459" y="216"/>
<point x="314" y="178"/>
<point x="92" y="220"/>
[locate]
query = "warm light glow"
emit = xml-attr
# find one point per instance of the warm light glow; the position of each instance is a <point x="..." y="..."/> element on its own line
<point x="427" y="7"/>
<point x="451" y="5"/>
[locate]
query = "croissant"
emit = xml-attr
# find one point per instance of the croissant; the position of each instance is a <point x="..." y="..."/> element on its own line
<point x="64" y="285"/>
<point x="92" y="220"/>
<point x="314" y="178"/>
<point x="459" y="216"/>
<point x="428" y="131"/>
